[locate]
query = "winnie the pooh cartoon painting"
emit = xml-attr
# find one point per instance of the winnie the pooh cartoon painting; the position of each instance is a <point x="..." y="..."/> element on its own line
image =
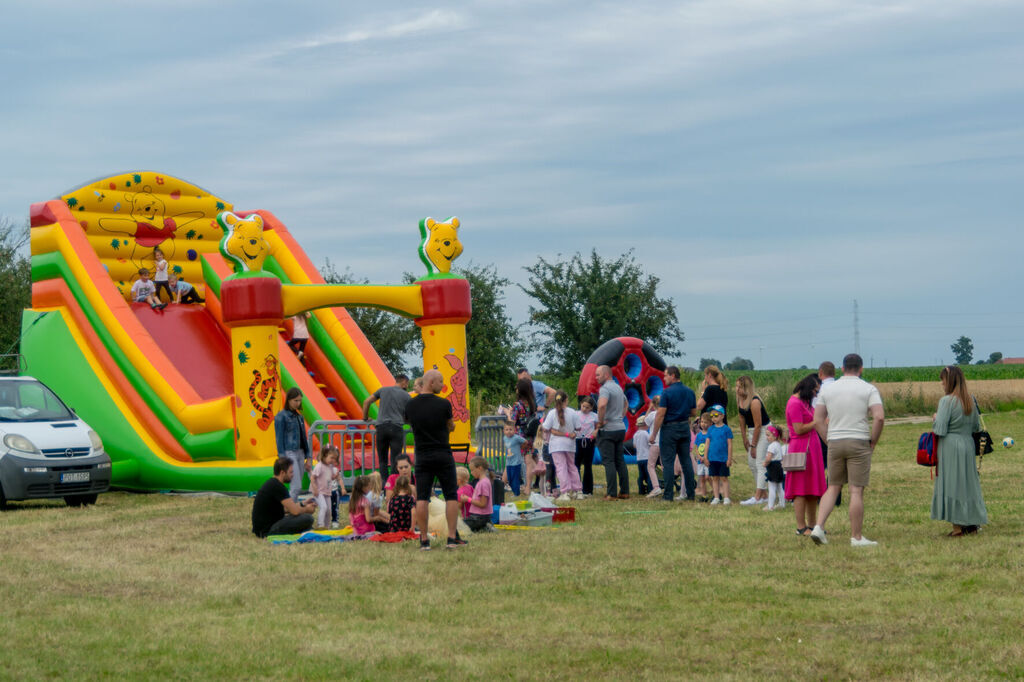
<point x="147" y="223"/>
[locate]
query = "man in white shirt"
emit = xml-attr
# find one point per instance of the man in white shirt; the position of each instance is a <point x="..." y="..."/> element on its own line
<point x="827" y="375"/>
<point x="846" y="405"/>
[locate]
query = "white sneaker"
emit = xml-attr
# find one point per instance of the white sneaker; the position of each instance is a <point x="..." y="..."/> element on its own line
<point x="749" y="501"/>
<point x="768" y="507"/>
<point x="654" y="493"/>
<point x="763" y="500"/>
<point x="727" y="501"/>
<point x="715" y="501"/>
<point x="818" y="535"/>
<point x="681" y="496"/>
<point x="563" y="498"/>
<point x="863" y="542"/>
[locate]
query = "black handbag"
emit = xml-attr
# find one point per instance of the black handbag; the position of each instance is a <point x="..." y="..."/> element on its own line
<point x="982" y="439"/>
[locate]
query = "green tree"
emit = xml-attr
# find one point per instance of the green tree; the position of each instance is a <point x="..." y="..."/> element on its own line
<point x="707" y="362"/>
<point x="740" y="364"/>
<point x="15" y="285"/>
<point x="993" y="358"/>
<point x="963" y="350"/>
<point x="493" y="345"/>
<point x="584" y="301"/>
<point x="393" y="337"/>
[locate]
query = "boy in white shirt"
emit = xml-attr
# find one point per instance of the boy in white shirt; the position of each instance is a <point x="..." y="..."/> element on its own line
<point x="642" y="447"/>
<point x="144" y="291"/>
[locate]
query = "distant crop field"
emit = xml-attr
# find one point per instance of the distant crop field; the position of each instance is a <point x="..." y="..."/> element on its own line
<point x="971" y="372"/>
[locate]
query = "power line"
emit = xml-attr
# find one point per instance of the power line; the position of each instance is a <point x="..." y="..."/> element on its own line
<point x="771" y="321"/>
<point x="788" y="332"/>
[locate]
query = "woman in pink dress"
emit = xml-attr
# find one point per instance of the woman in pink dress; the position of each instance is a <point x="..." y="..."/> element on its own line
<point x="805" y="488"/>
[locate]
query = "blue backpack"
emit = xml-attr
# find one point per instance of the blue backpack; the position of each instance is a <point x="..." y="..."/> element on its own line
<point x="926" y="450"/>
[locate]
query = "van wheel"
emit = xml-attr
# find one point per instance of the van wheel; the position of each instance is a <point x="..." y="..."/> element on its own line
<point x="80" y="500"/>
<point x="3" y="499"/>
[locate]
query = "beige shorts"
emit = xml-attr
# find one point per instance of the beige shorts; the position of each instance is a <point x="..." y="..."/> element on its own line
<point x="849" y="461"/>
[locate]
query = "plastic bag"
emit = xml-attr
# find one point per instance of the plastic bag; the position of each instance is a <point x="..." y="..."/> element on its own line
<point x="541" y="502"/>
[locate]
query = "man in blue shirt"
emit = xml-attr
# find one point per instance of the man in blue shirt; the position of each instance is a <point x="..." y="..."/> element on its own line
<point x="678" y="403"/>
<point x="541" y="391"/>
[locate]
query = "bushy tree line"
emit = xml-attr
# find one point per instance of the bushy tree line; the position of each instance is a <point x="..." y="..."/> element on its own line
<point x="15" y="285"/>
<point x="578" y="303"/>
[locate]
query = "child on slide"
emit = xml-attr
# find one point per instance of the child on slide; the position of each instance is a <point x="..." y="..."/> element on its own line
<point x="160" y="276"/>
<point x="143" y="291"/>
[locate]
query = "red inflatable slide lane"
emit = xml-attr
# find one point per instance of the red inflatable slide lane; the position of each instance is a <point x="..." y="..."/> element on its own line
<point x="194" y="342"/>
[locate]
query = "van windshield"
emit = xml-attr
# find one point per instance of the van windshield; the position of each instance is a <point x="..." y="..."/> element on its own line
<point x="30" y="401"/>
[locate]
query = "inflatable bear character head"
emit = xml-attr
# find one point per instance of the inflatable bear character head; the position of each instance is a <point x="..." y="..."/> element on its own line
<point x="243" y="243"/>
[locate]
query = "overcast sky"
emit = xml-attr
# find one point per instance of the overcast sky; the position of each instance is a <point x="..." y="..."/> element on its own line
<point x="770" y="162"/>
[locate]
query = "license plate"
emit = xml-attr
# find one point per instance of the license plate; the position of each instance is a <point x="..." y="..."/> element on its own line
<point x="74" y="477"/>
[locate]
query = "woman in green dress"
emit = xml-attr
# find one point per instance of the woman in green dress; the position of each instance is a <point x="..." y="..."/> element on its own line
<point x="957" y="496"/>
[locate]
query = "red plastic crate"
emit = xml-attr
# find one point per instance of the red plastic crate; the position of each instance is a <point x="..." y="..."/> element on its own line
<point x="561" y="514"/>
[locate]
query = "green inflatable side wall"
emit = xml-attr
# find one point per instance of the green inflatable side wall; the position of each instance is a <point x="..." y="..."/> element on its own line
<point x="134" y="465"/>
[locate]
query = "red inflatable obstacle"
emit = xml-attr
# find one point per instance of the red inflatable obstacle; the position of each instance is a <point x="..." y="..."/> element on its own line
<point x="636" y="367"/>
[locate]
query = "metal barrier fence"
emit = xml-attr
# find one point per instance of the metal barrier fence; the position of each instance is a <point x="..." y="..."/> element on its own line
<point x="356" y="441"/>
<point x="490" y="439"/>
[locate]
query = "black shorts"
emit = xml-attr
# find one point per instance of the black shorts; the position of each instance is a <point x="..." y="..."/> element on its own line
<point x="435" y="464"/>
<point x="718" y="469"/>
<point x="775" y="473"/>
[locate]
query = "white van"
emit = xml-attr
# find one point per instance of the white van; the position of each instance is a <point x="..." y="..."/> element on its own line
<point x="46" y="451"/>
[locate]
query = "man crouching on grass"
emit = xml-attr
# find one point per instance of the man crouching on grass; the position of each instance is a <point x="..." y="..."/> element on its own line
<point x="272" y="501"/>
<point x="430" y="417"/>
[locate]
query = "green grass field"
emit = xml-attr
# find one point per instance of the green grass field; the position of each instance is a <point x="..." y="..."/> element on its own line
<point x="156" y="586"/>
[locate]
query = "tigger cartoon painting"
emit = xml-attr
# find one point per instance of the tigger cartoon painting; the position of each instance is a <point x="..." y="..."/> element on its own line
<point x="263" y="392"/>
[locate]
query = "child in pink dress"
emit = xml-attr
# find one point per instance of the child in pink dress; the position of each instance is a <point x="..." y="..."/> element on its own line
<point x="465" y="492"/>
<point x="360" y="514"/>
<point x="480" y="507"/>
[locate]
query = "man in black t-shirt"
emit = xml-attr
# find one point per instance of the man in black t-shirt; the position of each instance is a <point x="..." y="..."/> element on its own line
<point x="430" y="417"/>
<point x="272" y="501"/>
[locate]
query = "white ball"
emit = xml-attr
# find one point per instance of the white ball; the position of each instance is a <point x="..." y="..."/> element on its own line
<point x="1008" y="442"/>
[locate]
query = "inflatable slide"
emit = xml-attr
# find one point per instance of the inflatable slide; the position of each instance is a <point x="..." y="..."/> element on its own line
<point x="184" y="397"/>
